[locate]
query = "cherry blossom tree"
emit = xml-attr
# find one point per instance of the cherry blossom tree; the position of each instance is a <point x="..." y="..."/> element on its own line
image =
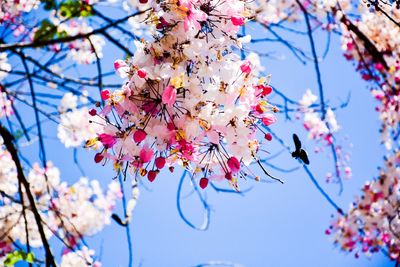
<point x="189" y="95"/>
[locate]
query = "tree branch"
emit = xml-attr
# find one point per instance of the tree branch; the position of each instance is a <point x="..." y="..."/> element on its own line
<point x="8" y="142"/>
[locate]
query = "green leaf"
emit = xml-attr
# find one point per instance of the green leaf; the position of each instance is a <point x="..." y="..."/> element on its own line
<point x="30" y="257"/>
<point x="16" y="256"/>
<point x="46" y="31"/>
<point x="62" y="34"/>
<point x="75" y="8"/>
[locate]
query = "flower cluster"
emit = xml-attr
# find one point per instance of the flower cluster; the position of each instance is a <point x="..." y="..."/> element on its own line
<point x="83" y="257"/>
<point x="377" y="62"/>
<point x="5" y="67"/>
<point x="317" y="128"/>
<point x="84" y="50"/>
<point x="373" y="221"/>
<point x="323" y="130"/>
<point x="189" y="100"/>
<point x="10" y="9"/>
<point x="138" y="27"/>
<point x="275" y="11"/>
<point x="75" y="126"/>
<point x="69" y="212"/>
<point x="6" y="108"/>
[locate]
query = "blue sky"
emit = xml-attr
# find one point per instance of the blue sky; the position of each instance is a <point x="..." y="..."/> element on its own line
<point x="272" y="225"/>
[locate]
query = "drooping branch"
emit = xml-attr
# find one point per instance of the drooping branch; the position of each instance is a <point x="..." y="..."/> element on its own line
<point x="8" y="142"/>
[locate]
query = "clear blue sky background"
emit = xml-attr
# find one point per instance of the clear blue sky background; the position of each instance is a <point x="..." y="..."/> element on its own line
<point x="272" y="225"/>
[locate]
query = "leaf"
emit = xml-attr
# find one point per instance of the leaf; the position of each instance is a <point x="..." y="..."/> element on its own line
<point x="30" y="257"/>
<point x="62" y="34"/>
<point x="46" y="31"/>
<point x="16" y="256"/>
<point x="75" y="8"/>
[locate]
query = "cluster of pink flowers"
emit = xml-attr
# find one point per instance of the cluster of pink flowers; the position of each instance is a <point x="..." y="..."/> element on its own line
<point x="69" y="211"/>
<point x="5" y="103"/>
<point x="5" y="67"/>
<point x="189" y="100"/>
<point x="373" y="221"/>
<point x="276" y="11"/>
<point x="380" y="67"/>
<point x="322" y="132"/>
<point x="75" y="127"/>
<point x="10" y="9"/>
<point x="317" y="128"/>
<point x="82" y="51"/>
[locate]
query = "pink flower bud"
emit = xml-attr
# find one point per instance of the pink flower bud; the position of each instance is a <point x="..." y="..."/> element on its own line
<point x="203" y="183"/>
<point x="139" y="136"/>
<point x="92" y="112"/>
<point x="151" y="175"/>
<point x="119" y="64"/>
<point x="142" y="73"/>
<point x="146" y="154"/>
<point x="169" y="96"/>
<point x="105" y="94"/>
<point x="246" y="67"/>
<point x="386" y="238"/>
<point x="266" y="90"/>
<point x="268" y="119"/>
<point x="327" y="232"/>
<point x="98" y="157"/>
<point x="233" y="164"/>
<point x="366" y="77"/>
<point x="160" y="162"/>
<point x="268" y="136"/>
<point x="379" y="66"/>
<point x="237" y="21"/>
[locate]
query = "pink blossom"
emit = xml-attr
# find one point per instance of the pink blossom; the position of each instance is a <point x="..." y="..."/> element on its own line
<point x="269" y="119"/>
<point x="169" y="96"/>
<point x="119" y="64"/>
<point x="246" y="67"/>
<point x="186" y="149"/>
<point x="237" y="21"/>
<point x="193" y="15"/>
<point x="234" y="165"/>
<point x="160" y="162"/>
<point x="142" y="73"/>
<point x="266" y="90"/>
<point x="107" y="140"/>
<point x="146" y="154"/>
<point x="105" y="94"/>
<point x="139" y="136"/>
